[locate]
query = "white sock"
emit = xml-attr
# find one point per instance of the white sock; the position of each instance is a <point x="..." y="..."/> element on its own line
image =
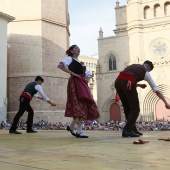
<point x="73" y="123"/>
<point x="80" y="125"/>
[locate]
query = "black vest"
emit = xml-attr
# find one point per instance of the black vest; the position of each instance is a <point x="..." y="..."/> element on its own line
<point x="30" y="88"/>
<point x="137" y="71"/>
<point x="77" y="67"/>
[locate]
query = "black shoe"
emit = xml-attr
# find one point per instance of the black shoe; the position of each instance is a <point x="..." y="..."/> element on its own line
<point x="129" y="134"/>
<point x="81" y="135"/>
<point x="71" y="131"/>
<point x="14" y="132"/>
<point x="31" y="131"/>
<point x="139" y="133"/>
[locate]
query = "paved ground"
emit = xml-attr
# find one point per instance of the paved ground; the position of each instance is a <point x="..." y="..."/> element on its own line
<point x="104" y="150"/>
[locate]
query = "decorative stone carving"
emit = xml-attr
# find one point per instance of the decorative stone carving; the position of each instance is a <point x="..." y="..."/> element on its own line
<point x="98" y="67"/>
<point x="5" y="101"/>
<point x="159" y="48"/>
<point x="165" y="62"/>
<point x="112" y="86"/>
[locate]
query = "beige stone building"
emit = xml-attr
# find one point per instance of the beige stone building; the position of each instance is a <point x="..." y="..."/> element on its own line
<point x="91" y="63"/>
<point x="142" y="33"/>
<point x="38" y="38"/>
<point x="4" y="20"/>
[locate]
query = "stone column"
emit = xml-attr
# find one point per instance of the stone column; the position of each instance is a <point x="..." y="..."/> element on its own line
<point x="4" y="19"/>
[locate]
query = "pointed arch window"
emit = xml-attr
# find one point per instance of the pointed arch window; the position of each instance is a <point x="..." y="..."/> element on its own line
<point x="112" y="63"/>
<point x="157" y="10"/>
<point x="146" y="12"/>
<point x="167" y="8"/>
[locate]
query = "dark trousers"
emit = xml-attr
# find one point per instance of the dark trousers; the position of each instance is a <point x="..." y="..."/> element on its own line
<point x="130" y="102"/>
<point x="24" y="106"/>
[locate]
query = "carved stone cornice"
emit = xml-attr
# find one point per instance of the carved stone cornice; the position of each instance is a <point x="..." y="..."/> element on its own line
<point x="160" y="63"/>
<point x="6" y="17"/>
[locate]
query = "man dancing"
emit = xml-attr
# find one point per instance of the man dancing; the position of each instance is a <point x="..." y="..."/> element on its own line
<point x="26" y="96"/>
<point x="125" y="85"/>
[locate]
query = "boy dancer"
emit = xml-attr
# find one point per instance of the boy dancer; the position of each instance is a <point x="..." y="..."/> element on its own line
<point x="125" y="85"/>
<point x="26" y="96"/>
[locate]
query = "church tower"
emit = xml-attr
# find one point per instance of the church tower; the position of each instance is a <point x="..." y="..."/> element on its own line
<point x="148" y="30"/>
<point x="38" y="38"/>
<point x="142" y="33"/>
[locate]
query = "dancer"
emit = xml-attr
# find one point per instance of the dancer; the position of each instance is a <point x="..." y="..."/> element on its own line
<point x="26" y="96"/>
<point x="80" y="103"/>
<point x="125" y="85"/>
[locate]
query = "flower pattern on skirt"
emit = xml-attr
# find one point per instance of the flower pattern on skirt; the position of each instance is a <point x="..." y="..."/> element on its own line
<point x="80" y="102"/>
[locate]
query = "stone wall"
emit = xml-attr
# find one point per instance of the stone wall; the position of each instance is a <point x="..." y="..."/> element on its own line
<point x="137" y="38"/>
<point x="38" y="40"/>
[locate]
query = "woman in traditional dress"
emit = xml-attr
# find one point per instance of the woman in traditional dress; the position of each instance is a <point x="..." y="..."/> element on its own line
<point x="80" y="103"/>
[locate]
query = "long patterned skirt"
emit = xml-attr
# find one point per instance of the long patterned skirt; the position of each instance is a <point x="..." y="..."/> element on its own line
<point x="80" y="102"/>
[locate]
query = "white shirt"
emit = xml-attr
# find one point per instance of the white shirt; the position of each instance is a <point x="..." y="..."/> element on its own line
<point x="67" y="61"/>
<point x="40" y="90"/>
<point x="150" y="81"/>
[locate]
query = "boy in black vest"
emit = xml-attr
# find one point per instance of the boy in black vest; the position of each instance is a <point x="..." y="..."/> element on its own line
<point x="125" y="85"/>
<point x="26" y="96"/>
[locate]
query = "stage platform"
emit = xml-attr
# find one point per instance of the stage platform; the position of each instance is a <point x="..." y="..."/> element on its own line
<point x="104" y="150"/>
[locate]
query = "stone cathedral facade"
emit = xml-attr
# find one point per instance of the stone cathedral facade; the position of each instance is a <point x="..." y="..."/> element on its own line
<point x="142" y="33"/>
<point x="38" y="39"/>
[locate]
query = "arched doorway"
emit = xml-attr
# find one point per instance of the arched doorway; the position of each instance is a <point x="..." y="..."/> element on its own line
<point x="115" y="112"/>
<point x="161" y="112"/>
<point x="152" y="104"/>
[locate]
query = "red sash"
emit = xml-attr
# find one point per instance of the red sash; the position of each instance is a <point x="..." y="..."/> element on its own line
<point x="126" y="76"/>
<point x="27" y="95"/>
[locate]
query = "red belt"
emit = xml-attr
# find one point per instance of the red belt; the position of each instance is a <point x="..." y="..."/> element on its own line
<point x="27" y="95"/>
<point x="128" y="77"/>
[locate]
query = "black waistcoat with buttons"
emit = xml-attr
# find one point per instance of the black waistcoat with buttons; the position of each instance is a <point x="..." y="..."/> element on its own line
<point x="77" y="67"/>
<point x="30" y="88"/>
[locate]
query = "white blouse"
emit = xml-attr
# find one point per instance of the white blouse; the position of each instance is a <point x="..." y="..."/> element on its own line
<point x="67" y="61"/>
<point x="150" y="81"/>
<point x="40" y="90"/>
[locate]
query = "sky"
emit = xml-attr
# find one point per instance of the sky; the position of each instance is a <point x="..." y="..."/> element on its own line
<point x="86" y="18"/>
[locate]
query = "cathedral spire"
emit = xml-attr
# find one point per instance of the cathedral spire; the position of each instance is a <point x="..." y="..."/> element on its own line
<point x="117" y="3"/>
<point x="100" y="33"/>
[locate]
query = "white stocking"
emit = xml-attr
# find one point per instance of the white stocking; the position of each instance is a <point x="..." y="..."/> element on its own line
<point x="73" y="123"/>
<point x="80" y="125"/>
